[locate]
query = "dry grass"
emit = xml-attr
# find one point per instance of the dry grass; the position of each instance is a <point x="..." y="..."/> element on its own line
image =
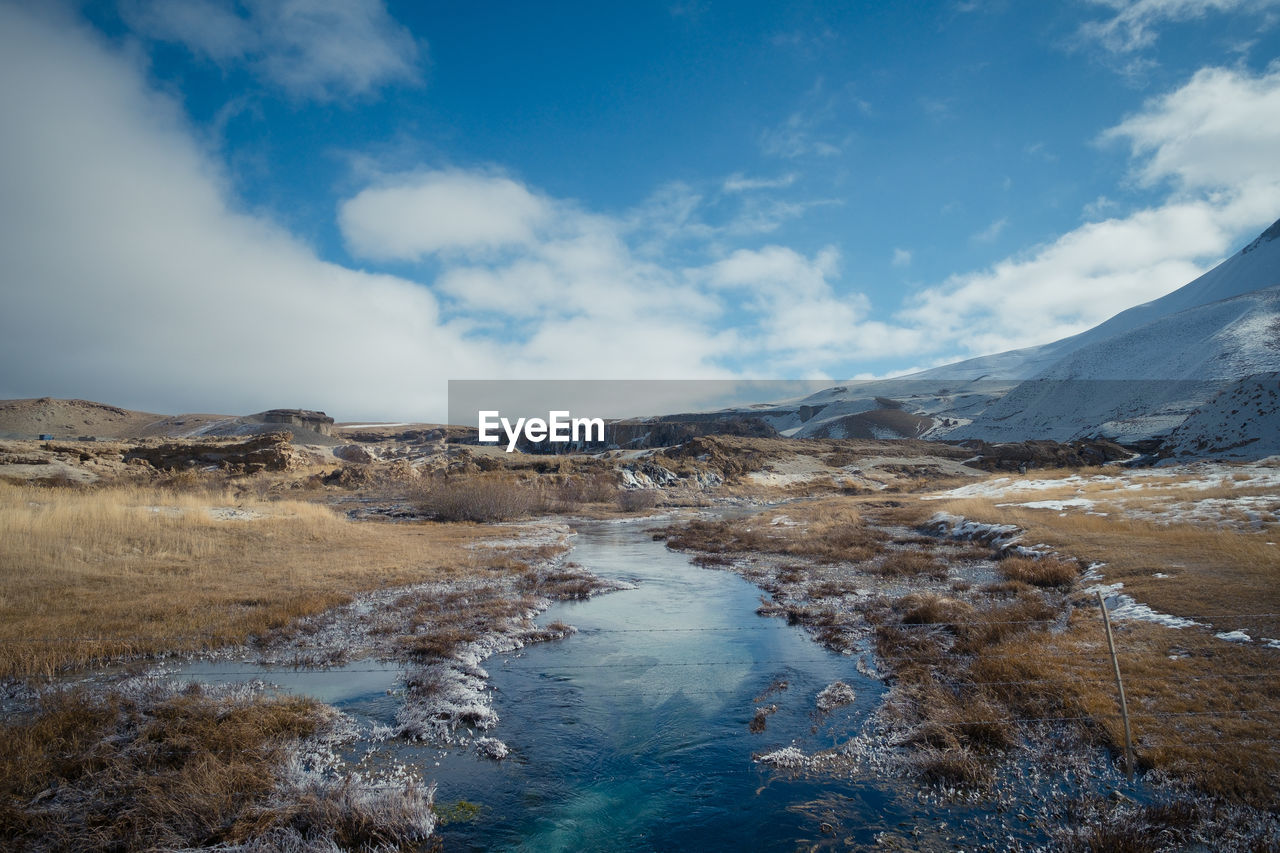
<point x="1046" y="571"/>
<point x="485" y="497"/>
<point x="439" y="623"/>
<point x="1204" y="710"/>
<point x="88" y="576"/>
<point x="828" y="530"/>
<point x="504" y="496"/>
<point x="1214" y="572"/>
<point x="1208" y="717"/>
<point x="172" y="771"/>
<point x="637" y="500"/>
<point x="936" y="646"/>
<point x="907" y="563"/>
<point x="119" y="774"/>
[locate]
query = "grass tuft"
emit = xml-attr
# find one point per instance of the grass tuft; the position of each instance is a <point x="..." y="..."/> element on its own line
<point x="1043" y="572"/>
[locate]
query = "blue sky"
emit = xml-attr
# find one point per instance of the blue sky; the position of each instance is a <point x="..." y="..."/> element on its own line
<point x="227" y="206"/>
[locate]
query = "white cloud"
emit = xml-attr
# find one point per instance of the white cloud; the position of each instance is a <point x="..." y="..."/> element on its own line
<point x="1098" y="208"/>
<point x="135" y="279"/>
<point x="1132" y="25"/>
<point x="1220" y="130"/>
<point x="1213" y="139"/>
<point x="1073" y="283"/>
<point x="810" y="130"/>
<point x="801" y="320"/>
<point x="1040" y="150"/>
<point x="738" y="183"/>
<point x="320" y="49"/>
<point x="775" y="271"/>
<point x="798" y="136"/>
<point x="991" y="232"/>
<point x="407" y="217"/>
<point x="901" y="257"/>
<point x="131" y="276"/>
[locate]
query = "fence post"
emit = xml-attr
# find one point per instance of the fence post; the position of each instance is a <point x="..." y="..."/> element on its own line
<point x="1124" y="706"/>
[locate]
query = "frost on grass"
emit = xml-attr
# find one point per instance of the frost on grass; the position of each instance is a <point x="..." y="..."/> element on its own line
<point x="492" y="748"/>
<point x="442" y="631"/>
<point x="835" y="695"/>
<point x="787" y="758"/>
<point x="168" y="766"/>
<point x="444" y="696"/>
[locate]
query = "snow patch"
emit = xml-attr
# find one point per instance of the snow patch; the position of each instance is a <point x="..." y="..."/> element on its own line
<point x="1122" y="606"/>
<point x="492" y="748"/>
<point x="1083" y="503"/>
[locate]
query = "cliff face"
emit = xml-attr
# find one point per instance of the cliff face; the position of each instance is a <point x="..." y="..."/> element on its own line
<point x="301" y="418"/>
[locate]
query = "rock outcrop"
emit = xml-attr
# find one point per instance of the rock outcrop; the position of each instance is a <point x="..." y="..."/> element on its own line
<point x="1022" y="455"/>
<point x="301" y="418"/>
<point x="272" y="451"/>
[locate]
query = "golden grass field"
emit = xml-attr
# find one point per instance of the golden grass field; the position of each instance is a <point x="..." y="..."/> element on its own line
<point x="1204" y="709"/>
<point x="91" y="575"/>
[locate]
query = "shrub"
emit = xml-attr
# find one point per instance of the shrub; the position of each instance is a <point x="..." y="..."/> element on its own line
<point x="953" y="767"/>
<point x="486" y="497"/>
<point x="991" y="625"/>
<point x="569" y="493"/>
<point x="637" y="500"/>
<point x="922" y="608"/>
<point x="900" y="563"/>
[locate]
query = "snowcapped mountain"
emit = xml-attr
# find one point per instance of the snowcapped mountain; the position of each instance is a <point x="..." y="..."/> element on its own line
<point x="1254" y="267"/>
<point x="1144" y="382"/>
<point x="1242" y="421"/>
<point x="1157" y="367"/>
<point x="1146" y="370"/>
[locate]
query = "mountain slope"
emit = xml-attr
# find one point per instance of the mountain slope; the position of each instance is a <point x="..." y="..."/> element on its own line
<point x="1254" y="267"/>
<point x="1241" y="422"/>
<point x="1144" y="382"/>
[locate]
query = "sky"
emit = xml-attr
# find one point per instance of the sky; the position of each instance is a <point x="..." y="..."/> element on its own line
<point x="209" y="205"/>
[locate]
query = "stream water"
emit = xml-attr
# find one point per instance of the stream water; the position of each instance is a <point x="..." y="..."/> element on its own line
<point x="634" y="734"/>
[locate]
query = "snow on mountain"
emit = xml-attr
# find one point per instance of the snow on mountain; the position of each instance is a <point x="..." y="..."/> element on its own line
<point x="1254" y="267"/>
<point x="884" y="408"/>
<point x="1241" y="422"/>
<point x="1146" y="370"/>
<point x="1144" y="382"/>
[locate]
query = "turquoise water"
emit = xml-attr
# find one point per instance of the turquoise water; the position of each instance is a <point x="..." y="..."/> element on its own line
<point x="633" y="734"/>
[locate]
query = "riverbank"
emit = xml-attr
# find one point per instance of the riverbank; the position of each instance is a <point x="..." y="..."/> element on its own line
<point x="1000" y="689"/>
<point x="145" y="582"/>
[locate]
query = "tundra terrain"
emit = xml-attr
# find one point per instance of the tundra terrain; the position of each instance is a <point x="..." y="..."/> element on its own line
<point x="969" y="588"/>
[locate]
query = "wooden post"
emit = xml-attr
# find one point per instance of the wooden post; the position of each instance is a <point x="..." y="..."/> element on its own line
<point x="1124" y="706"/>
